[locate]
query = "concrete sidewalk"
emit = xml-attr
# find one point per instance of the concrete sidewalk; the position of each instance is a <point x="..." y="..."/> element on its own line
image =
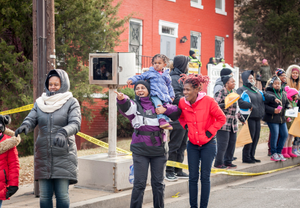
<point x="88" y="198"/>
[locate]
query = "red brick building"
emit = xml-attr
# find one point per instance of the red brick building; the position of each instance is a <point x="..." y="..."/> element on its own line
<point x="159" y="26"/>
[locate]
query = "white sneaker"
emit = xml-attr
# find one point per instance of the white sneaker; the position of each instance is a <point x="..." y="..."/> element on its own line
<point x="275" y="157"/>
<point x="296" y="152"/>
<point x="281" y="157"/>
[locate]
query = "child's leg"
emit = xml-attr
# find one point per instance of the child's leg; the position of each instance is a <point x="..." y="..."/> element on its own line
<point x="156" y="101"/>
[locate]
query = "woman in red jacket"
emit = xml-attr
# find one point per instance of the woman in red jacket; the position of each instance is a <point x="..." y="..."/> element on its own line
<point x="9" y="161"/>
<point x="203" y="118"/>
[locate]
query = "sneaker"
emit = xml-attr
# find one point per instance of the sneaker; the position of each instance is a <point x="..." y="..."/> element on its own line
<point x="281" y="157"/>
<point x="231" y="165"/>
<point x="296" y="152"/>
<point x="221" y="166"/>
<point x="182" y="175"/>
<point x="275" y="157"/>
<point x="170" y="176"/>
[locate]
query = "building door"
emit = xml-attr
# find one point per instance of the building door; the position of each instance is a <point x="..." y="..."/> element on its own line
<point x="168" y="46"/>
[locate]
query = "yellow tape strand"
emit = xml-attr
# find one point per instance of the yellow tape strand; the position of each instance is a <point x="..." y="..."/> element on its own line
<point x="169" y="163"/>
<point x="17" y="110"/>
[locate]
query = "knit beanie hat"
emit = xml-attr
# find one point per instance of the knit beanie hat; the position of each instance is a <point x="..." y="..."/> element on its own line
<point x="290" y="92"/>
<point x="279" y="72"/>
<point x="264" y="61"/>
<point x="143" y="82"/>
<point x="295" y="69"/>
<point x="191" y="52"/>
<point x="225" y="78"/>
<point x="225" y="71"/>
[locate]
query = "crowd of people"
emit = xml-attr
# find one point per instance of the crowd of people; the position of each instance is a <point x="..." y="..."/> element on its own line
<point x="165" y="99"/>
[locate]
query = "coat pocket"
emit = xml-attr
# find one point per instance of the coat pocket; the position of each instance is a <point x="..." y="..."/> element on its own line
<point x="60" y="151"/>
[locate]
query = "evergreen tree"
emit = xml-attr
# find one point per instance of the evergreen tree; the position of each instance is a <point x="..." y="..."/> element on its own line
<point x="271" y="30"/>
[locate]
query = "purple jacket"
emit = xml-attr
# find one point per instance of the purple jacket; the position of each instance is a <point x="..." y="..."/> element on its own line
<point x="142" y="144"/>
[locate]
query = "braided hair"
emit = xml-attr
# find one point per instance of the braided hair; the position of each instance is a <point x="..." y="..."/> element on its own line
<point x="194" y="79"/>
<point x="162" y="56"/>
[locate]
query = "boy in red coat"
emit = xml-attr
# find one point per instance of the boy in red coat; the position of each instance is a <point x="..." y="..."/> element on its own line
<point x="9" y="161"/>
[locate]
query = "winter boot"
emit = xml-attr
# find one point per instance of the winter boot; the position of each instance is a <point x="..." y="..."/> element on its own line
<point x="290" y="152"/>
<point x="285" y="152"/>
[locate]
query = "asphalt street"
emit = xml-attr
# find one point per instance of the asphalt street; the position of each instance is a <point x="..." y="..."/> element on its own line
<point x="281" y="189"/>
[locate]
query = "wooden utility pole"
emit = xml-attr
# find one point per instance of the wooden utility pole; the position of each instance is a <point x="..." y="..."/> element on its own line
<point x="43" y="49"/>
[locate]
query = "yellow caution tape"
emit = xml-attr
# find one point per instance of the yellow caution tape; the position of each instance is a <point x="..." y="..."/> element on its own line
<point x="169" y="163"/>
<point x="17" y="110"/>
<point x="101" y="143"/>
<point x="176" y="195"/>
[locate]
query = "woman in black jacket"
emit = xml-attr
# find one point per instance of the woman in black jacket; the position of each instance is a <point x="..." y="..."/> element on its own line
<point x="252" y="102"/>
<point x="275" y="118"/>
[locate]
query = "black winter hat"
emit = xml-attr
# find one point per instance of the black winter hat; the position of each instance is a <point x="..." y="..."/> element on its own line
<point x="191" y="52"/>
<point x="143" y="82"/>
<point x="4" y="120"/>
<point x="225" y="78"/>
<point x="225" y="71"/>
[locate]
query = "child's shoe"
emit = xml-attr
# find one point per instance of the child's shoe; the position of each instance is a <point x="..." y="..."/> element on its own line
<point x="164" y="124"/>
<point x="295" y="150"/>
<point x="290" y="152"/>
<point x="285" y="152"/>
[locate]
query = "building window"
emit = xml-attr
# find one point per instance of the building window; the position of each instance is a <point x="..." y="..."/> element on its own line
<point x="196" y="43"/>
<point x="220" y="7"/>
<point x="135" y="39"/>
<point x="219" y="47"/>
<point x="197" y="4"/>
<point x="168" y="28"/>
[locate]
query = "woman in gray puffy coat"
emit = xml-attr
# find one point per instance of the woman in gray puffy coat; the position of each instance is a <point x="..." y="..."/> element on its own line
<point x="58" y="116"/>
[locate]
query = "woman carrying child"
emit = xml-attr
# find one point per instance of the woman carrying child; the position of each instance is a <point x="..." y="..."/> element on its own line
<point x="148" y="142"/>
<point x="274" y="116"/>
<point x="161" y="90"/>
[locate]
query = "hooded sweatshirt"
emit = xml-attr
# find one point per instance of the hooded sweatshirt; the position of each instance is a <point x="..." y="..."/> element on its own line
<point x="180" y="67"/>
<point x="251" y="97"/>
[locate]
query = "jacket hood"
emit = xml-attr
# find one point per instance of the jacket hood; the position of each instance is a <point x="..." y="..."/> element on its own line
<point x="289" y="70"/>
<point x="245" y="76"/>
<point x="176" y="71"/>
<point x="180" y="62"/>
<point x="64" y="80"/>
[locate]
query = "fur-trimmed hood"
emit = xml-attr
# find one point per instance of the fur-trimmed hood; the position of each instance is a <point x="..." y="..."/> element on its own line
<point x="11" y="142"/>
<point x="290" y="82"/>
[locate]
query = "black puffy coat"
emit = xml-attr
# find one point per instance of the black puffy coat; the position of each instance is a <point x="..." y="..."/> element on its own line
<point x="270" y="116"/>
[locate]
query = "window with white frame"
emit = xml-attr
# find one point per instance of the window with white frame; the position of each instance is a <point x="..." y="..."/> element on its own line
<point x="135" y="39"/>
<point x="197" y="4"/>
<point x="168" y="28"/>
<point x="220" y="7"/>
<point x="196" y="43"/>
<point x="219" y="47"/>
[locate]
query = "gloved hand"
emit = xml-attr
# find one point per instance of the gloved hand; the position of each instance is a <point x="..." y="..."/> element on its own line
<point x="11" y="190"/>
<point x="60" y="139"/>
<point x="22" y="129"/>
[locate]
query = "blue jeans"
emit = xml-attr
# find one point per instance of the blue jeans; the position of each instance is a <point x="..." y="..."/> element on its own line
<point x="275" y="130"/>
<point x="61" y="189"/>
<point x="0" y="203"/>
<point x="206" y="155"/>
<point x="156" y="101"/>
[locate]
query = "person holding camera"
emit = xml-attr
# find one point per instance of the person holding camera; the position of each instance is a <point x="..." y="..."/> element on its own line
<point x="58" y="116"/>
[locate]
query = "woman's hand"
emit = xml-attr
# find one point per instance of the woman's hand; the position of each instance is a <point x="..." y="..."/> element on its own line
<point x="160" y="109"/>
<point x="276" y="111"/>
<point x="129" y="82"/>
<point x="120" y="96"/>
<point x="278" y="101"/>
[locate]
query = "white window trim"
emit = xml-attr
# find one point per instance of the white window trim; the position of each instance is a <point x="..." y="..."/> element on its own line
<point x="137" y="68"/>
<point x="162" y="23"/>
<point x="197" y="5"/>
<point x="172" y="0"/>
<point x="223" y="48"/>
<point x="221" y="11"/>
